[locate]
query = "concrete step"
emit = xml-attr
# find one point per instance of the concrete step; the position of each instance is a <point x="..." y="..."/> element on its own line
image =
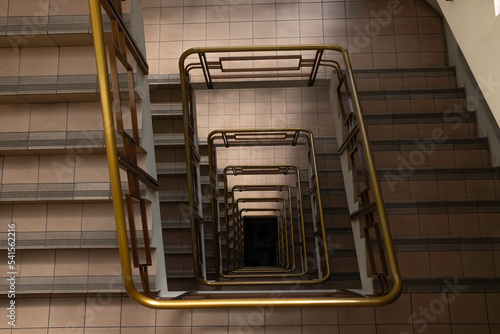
<point x="408" y="78"/>
<point x="459" y="183"/>
<point x="440" y="218"/>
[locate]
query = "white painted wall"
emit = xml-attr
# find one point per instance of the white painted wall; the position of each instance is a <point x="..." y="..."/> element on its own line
<point x="477" y="31"/>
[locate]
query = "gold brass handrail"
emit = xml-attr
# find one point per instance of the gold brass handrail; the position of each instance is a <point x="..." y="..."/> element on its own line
<point x="225" y="302"/>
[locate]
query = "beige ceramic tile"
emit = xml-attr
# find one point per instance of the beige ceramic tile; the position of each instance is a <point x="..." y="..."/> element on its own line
<point x="319" y="316"/>
<point x="15" y="117"/>
<point x="107" y="330"/>
<point x="69" y="8"/>
<point x="287" y="12"/>
<point x="283" y="329"/>
<point x="265" y="29"/>
<point x="133" y="330"/>
<point x="98" y="217"/>
<point x="39" y="61"/>
<point x="397" y="312"/>
<point x="6" y="213"/>
<point x="177" y="330"/>
<point x="151" y="16"/>
<point x="250" y="329"/>
<point x="152" y="34"/>
<point x="84" y="116"/>
<point x="92" y="168"/>
<point x="71" y="262"/>
<point x="38" y="262"/>
<point x="29" y="331"/>
<point x="263" y="12"/>
<point x="95" y="316"/>
<point x="250" y="317"/>
<point x="64" y="217"/>
<point x="10" y="60"/>
<point x="57" y="169"/>
<point x="170" y="49"/>
<point x="170" y="15"/>
<point x="64" y="330"/>
<point x="219" y="13"/>
<point x="283" y="316"/>
<point x="320" y="329"/>
<point x="193" y="32"/>
<point x="215" y="317"/>
<point x="177" y="318"/>
<point x="335" y="10"/>
<point x="28" y="8"/>
<point x="35" y="312"/>
<point x="4" y="6"/>
<point x="310" y="11"/>
<point x="445" y="264"/>
<point x="134" y="314"/>
<point x="194" y="15"/>
<point x="67" y="313"/>
<point x="171" y="32"/>
<point x="468" y="308"/>
<point x="239" y="30"/>
<point x="81" y="55"/>
<point x="104" y="262"/>
<point x="438" y="303"/>
<point x="30" y="217"/>
<point x="48" y="117"/>
<point x="478" y="263"/>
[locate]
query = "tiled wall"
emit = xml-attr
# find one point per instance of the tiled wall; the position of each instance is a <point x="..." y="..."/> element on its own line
<point x="48" y="61"/>
<point x="387" y="33"/>
<point x="51" y="117"/>
<point x="446" y="312"/>
<point x="264" y="108"/>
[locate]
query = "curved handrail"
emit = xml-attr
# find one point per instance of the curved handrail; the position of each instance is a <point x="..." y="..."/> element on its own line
<point x="112" y="157"/>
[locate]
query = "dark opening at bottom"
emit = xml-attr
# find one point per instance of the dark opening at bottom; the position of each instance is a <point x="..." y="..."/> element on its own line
<point x="261" y="239"/>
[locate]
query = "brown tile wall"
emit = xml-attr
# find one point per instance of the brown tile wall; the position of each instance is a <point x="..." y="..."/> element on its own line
<point x="48" y="61"/>
<point x="264" y="108"/>
<point x="448" y="311"/>
<point x="385" y="33"/>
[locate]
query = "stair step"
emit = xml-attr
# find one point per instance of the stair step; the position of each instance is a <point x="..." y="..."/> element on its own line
<point x="52" y="88"/>
<point x="465" y="256"/>
<point x="393" y="78"/>
<point x="51" y="30"/>
<point x="166" y="111"/>
<point x="449" y="152"/>
<point x="417" y="101"/>
<point x="444" y="218"/>
<point x="433" y="126"/>
<point x="440" y="183"/>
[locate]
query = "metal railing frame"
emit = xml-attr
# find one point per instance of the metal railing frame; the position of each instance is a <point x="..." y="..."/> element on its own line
<point x="269" y="170"/>
<point x="270" y="137"/>
<point x="247" y="301"/>
<point x="288" y="222"/>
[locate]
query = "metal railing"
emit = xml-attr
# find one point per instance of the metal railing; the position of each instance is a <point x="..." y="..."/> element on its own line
<point x="286" y="249"/>
<point x="319" y="234"/>
<point x="269" y="137"/>
<point x="287" y="299"/>
<point x="286" y="189"/>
